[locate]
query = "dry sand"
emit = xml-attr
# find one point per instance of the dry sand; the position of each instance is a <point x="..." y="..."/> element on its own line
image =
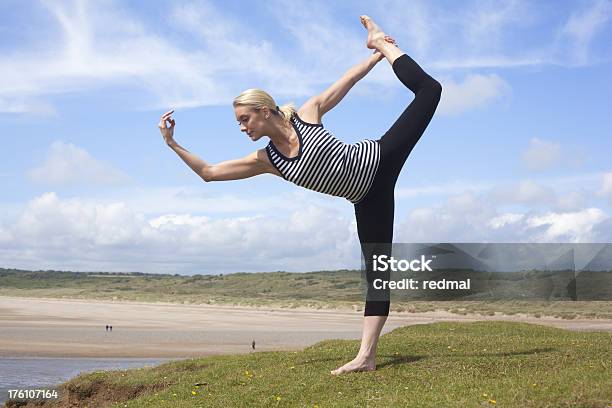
<point x="76" y="328"/>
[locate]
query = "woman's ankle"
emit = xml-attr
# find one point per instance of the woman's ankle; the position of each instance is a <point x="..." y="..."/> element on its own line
<point x="391" y="52"/>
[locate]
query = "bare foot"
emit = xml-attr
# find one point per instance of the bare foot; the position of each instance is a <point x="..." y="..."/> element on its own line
<point x="358" y="364"/>
<point x="375" y="35"/>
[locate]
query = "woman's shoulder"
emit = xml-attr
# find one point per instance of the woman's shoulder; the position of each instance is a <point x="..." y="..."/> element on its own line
<point x="309" y="114"/>
<point x="306" y="118"/>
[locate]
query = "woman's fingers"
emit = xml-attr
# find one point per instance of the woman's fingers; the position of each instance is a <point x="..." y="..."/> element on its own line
<point x="166" y="116"/>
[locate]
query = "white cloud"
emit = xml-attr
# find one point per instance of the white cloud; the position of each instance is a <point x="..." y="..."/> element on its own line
<point x="602" y="232"/>
<point x="212" y="199"/>
<point x="5" y="235"/>
<point x="187" y="230"/>
<point x="606" y="186"/>
<point x="475" y="91"/>
<point x="573" y="226"/>
<point x="571" y="201"/>
<point x="472" y="218"/>
<point x="444" y="189"/>
<point x="499" y="34"/>
<point x="541" y="154"/>
<point x="315" y="30"/>
<point x="504" y="219"/>
<point x="52" y="232"/>
<point x="202" y="55"/>
<point x="102" y="46"/>
<point x="582" y="27"/>
<point x="14" y="103"/>
<point x="69" y="164"/>
<point x="525" y="192"/>
<point x="236" y="55"/>
<point x="415" y="26"/>
<point x="486" y="24"/>
<point x="487" y="61"/>
<point x="460" y="218"/>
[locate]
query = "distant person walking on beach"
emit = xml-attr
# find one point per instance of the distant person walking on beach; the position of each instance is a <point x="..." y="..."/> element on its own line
<point x="303" y="152"/>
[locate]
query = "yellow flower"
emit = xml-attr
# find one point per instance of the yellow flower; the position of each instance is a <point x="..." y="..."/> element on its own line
<point x="194" y="393"/>
<point x="492" y="401"/>
<point x="278" y="398"/>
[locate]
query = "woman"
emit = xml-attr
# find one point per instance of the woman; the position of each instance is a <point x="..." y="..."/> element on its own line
<point x="303" y="152"/>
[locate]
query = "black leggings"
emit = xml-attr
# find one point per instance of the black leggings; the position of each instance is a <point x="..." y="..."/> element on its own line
<point x="374" y="212"/>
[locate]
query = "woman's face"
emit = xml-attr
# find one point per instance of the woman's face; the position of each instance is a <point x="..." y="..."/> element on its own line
<point x="251" y="121"/>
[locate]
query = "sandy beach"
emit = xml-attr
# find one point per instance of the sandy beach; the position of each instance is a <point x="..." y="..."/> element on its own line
<point x="76" y="328"/>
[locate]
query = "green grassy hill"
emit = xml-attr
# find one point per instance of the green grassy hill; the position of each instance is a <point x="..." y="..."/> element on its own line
<point x="480" y="364"/>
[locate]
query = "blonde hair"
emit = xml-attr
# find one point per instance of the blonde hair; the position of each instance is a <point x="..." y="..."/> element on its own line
<point x="258" y="98"/>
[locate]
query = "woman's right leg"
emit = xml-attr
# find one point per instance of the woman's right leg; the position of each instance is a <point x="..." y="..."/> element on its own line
<point x="401" y="138"/>
<point x="397" y="143"/>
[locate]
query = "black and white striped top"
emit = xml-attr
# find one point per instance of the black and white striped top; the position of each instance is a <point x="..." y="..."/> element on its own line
<point x="326" y="164"/>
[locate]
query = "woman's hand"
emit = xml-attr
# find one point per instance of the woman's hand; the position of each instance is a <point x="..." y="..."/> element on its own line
<point x="379" y="54"/>
<point x="167" y="132"/>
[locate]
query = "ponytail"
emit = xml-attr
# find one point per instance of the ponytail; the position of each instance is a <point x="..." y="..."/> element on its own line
<point x="286" y="111"/>
<point x="257" y="99"/>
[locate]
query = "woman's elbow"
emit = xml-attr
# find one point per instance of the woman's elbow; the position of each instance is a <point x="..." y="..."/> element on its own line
<point x="207" y="174"/>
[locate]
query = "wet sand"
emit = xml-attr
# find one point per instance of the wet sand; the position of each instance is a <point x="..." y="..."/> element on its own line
<point x="76" y="328"/>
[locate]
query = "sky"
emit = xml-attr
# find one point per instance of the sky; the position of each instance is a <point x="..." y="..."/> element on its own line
<point x="518" y="150"/>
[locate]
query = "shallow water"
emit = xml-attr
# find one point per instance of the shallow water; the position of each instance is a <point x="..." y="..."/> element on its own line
<point x="38" y="372"/>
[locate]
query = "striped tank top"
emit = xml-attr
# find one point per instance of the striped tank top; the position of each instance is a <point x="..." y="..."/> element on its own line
<point x="326" y="164"/>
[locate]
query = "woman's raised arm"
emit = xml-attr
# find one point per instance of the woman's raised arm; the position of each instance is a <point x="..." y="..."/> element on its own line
<point x="317" y="106"/>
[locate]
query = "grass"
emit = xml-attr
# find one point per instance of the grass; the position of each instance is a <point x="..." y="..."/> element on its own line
<point x="480" y="364"/>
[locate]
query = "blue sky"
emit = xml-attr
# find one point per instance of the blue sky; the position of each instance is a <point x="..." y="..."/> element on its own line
<point x="518" y="150"/>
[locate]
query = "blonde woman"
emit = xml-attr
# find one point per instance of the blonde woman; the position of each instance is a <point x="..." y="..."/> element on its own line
<point x="303" y="152"/>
